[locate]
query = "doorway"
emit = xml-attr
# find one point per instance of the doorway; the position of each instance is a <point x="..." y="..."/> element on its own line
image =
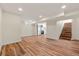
<point x="41" y="29"/>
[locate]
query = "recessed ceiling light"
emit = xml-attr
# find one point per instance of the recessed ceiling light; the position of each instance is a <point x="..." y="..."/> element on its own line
<point x="20" y="9"/>
<point x="43" y="19"/>
<point x="63" y="7"/>
<point x="34" y="22"/>
<point x="40" y="16"/>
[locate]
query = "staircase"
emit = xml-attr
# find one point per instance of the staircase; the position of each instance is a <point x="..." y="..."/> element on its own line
<point x="66" y="32"/>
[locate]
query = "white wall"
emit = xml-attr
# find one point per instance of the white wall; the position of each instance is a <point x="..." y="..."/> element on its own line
<point x="75" y="29"/>
<point x="51" y="31"/>
<point x="11" y="26"/>
<point x="0" y="27"/>
<point x="34" y="29"/>
<point x="54" y="29"/>
<point x="27" y="30"/>
<point x="60" y="25"/>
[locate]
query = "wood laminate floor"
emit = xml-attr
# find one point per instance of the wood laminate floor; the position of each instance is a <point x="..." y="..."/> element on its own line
<point x="40" y="46"/>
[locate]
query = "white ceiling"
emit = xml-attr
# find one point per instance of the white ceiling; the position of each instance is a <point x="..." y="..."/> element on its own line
<point x="32" y="11"/>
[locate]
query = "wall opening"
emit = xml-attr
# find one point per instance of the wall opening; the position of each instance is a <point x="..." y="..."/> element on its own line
<point x="41" y="28"/>
<point x="66" y="32"/>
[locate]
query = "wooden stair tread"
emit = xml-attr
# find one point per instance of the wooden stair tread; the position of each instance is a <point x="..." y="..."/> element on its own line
<point x="66" y="32"/>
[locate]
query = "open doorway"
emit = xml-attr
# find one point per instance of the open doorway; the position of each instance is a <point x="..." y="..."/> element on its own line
<point x="42" y="28"/>
<point x="67" y="30"/>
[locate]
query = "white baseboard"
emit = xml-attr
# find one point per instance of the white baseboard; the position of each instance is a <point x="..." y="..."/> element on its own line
<point x="74" y="39"/>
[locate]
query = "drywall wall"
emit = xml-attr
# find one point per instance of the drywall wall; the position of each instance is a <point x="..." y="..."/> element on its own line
<point x="34" y="29"/>
<point x="27" y="30"/>
<point x="0" y="27"/>
<point x="75" y="29"/>
<point x="54" y="29"/>
<point x="59" y="25"/>
<point x="11" y="25"/>
<point x="51" y="31"/>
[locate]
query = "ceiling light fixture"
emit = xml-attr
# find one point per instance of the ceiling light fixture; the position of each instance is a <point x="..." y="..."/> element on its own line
<point x="34" y="22"/>
<point x="40" y="16"/>
<point x="43" y="19"/>
<point x="63" y="7"/>
<point x="20" y="9"/>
